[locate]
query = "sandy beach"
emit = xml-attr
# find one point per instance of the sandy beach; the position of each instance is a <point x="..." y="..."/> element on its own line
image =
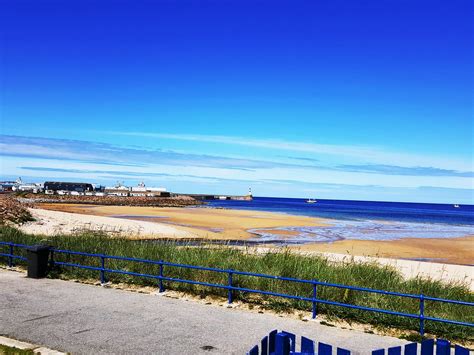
<point x="449" y="250"/>
<point x="209" y="223"/>
<point x="225" y="224"/>
<point x="55" y="222"/>
<point x="448" y="259"/>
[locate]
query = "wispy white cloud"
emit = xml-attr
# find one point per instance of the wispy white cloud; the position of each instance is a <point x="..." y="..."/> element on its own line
<point x="102" y="153"/>
<point x="92" y="161"/>
<point x="401" y="170"/>
<point x="260" y="143"/>
<point x="365" y="154"/>
<point x="115" y="174"/>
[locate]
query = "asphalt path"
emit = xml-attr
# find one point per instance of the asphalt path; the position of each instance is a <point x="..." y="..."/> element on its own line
<point x="87" y="319"/>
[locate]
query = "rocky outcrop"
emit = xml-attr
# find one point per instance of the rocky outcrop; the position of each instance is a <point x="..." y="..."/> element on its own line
<point x="12" y="211"/>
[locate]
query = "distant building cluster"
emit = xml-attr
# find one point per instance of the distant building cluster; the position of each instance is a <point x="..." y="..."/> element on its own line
<point x="19" y="186"/>
<point x="139" y="190"/>
<point x="81" y="189"/>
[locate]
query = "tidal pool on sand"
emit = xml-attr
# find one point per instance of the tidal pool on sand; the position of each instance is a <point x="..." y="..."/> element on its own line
<point x="362" y="230"/>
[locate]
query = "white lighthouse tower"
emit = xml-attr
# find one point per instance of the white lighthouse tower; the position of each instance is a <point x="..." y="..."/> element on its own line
<point x="249" y="195"/>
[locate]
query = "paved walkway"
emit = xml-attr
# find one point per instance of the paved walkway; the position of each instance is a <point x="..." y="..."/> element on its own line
<point x="86" y="319"/>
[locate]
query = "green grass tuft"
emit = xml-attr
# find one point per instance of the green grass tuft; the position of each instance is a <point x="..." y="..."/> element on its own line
<point x="8" y="350"/>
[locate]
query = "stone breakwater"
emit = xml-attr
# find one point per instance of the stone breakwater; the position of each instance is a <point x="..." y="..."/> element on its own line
<point x="12" y="211"/>
<point x="180" y="201"/>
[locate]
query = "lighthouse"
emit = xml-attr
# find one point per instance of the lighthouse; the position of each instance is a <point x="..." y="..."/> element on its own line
<point x="249" y="196"/>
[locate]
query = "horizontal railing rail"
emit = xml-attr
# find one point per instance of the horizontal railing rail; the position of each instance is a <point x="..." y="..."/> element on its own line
<point x="230" y="287"/>
<point x="11" y="256"/>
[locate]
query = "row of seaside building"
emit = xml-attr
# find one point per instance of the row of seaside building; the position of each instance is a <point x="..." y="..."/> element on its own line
<point x="80" y="188"/>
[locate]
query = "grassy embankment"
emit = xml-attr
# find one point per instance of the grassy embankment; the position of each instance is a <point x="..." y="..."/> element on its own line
<point x="281" y="263"/>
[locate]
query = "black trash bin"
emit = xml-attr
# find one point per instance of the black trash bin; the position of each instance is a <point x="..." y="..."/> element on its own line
<point x="38" y="256"/>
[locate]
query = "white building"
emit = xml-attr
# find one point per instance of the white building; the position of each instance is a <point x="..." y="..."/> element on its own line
<point x="117" y="190"/>
<point x="28" y="187"/>
<point x="142" y="190"/>
<point x="138" y="191"/>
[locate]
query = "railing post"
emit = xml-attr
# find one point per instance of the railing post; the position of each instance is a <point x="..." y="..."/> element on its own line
<point x="229" y="291"/>
<point x="422" y="315"/>
<point x="162" y="288"/>
<point x="51" y="259"/>
<point x="102" y="271"/>
<point x="315" y="304"/>
<point x="10" y="258"/>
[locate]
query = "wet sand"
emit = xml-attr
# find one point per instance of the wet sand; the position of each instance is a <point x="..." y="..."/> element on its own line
<point x="224" y="224"/>
<point x="204" y="222"/>
<point x="449" y="250"/>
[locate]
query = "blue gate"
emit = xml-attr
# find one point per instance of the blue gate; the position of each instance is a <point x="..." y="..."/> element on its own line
<point x="284" y="343"/>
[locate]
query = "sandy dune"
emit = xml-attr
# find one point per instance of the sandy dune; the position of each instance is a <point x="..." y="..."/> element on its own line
<point x="460" y="274"/>
<point x="53" y="222"/>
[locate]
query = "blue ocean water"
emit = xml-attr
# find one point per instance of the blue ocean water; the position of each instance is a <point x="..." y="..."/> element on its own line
<point x="361" y="219"/>
<point x="358" y="210"/>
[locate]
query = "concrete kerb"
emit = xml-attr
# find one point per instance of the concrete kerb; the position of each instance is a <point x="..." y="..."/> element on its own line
<point x="37" y="349"/>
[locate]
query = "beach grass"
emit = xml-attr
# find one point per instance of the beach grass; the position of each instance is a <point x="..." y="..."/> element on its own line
<point x="279" y="262"/>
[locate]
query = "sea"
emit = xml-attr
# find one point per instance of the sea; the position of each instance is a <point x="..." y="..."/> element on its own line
<point x="367" y="220"/>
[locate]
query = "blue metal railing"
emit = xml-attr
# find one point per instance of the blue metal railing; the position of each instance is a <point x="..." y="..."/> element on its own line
<point x="230" y="287"/>
<point x="11" y="256"/>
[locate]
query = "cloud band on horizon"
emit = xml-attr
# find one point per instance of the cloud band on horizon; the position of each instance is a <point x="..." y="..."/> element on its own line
<point x="87" y="160"/>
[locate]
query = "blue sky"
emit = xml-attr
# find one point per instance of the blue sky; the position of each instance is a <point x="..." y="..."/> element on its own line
<point x="330" y="99"/>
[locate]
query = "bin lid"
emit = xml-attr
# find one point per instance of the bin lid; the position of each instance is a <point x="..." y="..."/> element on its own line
<point x="36" y="248"/>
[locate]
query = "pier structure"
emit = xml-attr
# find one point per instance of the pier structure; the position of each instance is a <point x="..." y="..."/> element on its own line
<point x="207" y="197"/>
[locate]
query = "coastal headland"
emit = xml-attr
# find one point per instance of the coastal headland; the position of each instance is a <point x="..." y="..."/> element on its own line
<point x="238" y="225"/>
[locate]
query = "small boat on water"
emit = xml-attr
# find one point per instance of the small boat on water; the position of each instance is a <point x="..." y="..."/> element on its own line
<point x="311" y="201"/>
<point x="456" y="206"/>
